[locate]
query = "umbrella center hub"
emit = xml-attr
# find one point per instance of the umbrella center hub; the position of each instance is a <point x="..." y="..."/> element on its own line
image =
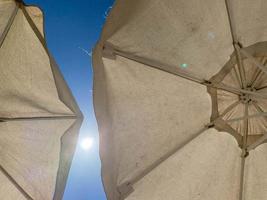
<point x="241" y="112"/>
<point x="246" y="98"/>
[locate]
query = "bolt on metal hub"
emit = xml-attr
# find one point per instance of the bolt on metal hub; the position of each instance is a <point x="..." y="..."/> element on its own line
<point x="246" y="98"/>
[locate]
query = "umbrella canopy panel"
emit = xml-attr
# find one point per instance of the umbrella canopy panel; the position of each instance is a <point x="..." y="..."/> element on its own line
<point x="29" y="77"/>
<point x="30" y="154"/>
<point x="6" y="14"/>
<point x="39" y="118"/>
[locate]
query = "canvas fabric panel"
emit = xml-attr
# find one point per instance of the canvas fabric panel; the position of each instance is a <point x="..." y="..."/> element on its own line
<point x="30" y="153"/>
<point x="202" y="170"/>
<point x="255" y="174"/>
<point x="27" y="85"/>
<point x="37" y="16"/>
<point x="149" y="114"/>
<point x="68" y="146"/>
<point x="6" y="9"/>
<point x="175" y="32"/>
<point x="250" y="21"/>
<point x="35" y="154"/>
<point x="8" y="191"/>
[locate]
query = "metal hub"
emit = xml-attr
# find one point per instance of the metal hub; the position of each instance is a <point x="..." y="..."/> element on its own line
<point x="239" y="106"/>
<point x="247" y="98"/>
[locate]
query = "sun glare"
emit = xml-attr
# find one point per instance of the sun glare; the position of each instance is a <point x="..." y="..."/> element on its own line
<point x="87" y="143"/>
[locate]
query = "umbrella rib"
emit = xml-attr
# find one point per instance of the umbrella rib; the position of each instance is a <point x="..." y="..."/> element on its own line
<point x="38" y="118"/>
<point x="220" y="125"/>
<point x="254" y="61"/>
<point x="235" y="90"/>
<point x="12" y="180"/>
<point x="150" y="168"/>
<point x="229" y="108"/>
<point x="109" y="51"/>
<point x="257" y="143"/>
<point x="242" y="176"/>
<point x="235" y="44"/>
<point x="227" y="88"/>
<point x="259" y="109"/>
<point x="244" y="153"/>
<point x="240" y="66"/>
<point x="237" y="74"/>
<point x="9" y="24"/>
<point x="263" y="87"/>
<point x="262" y="114"/>
<point x="246" y="118"/>
<point x="261" y="139"/>
<point x="258" y="76"/>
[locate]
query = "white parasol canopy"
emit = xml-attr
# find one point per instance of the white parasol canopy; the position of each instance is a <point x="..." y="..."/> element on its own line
<point x="39" y="118"/>
<point x="180" y="99"/>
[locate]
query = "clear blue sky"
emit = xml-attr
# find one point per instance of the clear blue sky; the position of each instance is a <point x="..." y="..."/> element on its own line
<point x="69" y="26"/>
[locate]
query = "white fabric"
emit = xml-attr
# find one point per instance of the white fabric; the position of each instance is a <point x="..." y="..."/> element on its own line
<point x="37" y="17"/>
<point x="195" y="32"/>
<point x="35" y="154"/>
<point x="27" y="85"/>
<point x="8" y="191"/>
<point x="6" y="9"/>
<point x="144" y="113"/>
<point x="208" y="168"/>
<point x="250" y="20"/>
<point x="146" y="126"/>
<point x="255" y="174"/>
<point x="29" y="152"/>
<point x="150" y="113"/>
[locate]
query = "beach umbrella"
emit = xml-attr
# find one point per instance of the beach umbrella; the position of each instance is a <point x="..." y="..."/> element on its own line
<point x="39" y="118"/>
<point x="180" y="100"/>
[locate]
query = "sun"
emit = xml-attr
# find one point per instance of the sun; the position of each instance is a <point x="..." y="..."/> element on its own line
<point x="87" y="143"/>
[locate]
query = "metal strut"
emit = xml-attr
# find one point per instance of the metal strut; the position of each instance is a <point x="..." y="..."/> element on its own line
<point x="236" y="44"/>
<point x="253" y="60"/>
<point x="127" y="185"/>
<point x="244" y="86"/>
<point x="9" y="24"/>
<point x="13" y="181"/>
<point x="111" y="52"/>
<point x="262" y="114"/>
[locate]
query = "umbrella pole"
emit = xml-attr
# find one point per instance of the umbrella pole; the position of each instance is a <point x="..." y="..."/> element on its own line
<point x="244" y="153"/>
<point x="241" y="191"/>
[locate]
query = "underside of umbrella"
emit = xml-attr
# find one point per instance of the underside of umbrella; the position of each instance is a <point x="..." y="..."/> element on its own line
<point x="39" y="118"/>
<point x="180" y="99"/>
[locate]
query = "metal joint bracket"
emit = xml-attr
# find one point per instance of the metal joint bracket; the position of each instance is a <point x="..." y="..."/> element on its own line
<point x="207" y="83"/>
<point x="210" y="125"/>
<point x="238" y="45"/>
<point x="245" y="153"/>
<point x="125" y="190"/>
<point x="109" y="52"/>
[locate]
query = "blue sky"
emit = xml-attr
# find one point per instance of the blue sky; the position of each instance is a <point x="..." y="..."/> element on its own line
<point x="70" y="26"/>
